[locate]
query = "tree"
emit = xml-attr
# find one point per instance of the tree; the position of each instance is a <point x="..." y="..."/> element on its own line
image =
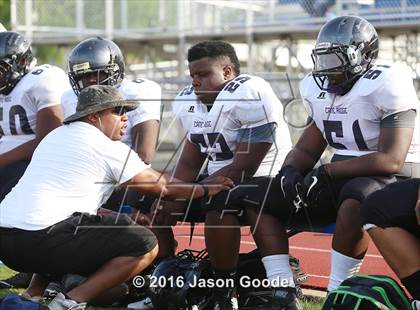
<point x="5" y="13"/>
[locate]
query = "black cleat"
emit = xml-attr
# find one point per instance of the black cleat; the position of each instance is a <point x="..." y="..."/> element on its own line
<point x="223" y="299"/>
<point x="19" y="280"/>
<point x="281" y="299"/>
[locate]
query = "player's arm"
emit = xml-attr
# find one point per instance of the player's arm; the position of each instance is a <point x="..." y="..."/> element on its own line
<point x="393" y="145"/>
<point x="154" y="183"/>
<point x="307" y="151"/>
<point x="144" y="136"/>
<point x="190" y="163"/>
<point x="246" y="160"/>
<point x="47" y="119"/>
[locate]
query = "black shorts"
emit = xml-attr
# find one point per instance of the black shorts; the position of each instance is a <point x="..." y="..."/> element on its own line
<point x="80" y="244"/>
<point x="393" y="206"/>
<point x="10" y="175"/>
<point x="265" y="194"/>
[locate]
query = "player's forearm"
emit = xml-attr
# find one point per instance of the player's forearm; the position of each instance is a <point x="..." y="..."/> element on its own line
<point x="22" y="152"/>
<point x="178" y="189"/>
<point x="146" y="152"/>
<point x="234" y="172"/>
<point x="187" y="171"/>
<point x="301" y="159"/>
<point x="378" y="163"/>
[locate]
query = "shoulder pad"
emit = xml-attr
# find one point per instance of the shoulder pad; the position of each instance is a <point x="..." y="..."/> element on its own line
<point x="376" y="77"/>
<point x="308" y="87"/>
<point x="140" y="89"/>
<point x="185" y="98"/>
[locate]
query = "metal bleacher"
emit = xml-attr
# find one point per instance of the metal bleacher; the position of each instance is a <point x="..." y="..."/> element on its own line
<point x="158" y="33"/>
<point x="67" y="21"/>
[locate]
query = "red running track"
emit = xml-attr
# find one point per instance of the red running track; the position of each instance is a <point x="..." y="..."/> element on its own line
<point x="312" y="249"/>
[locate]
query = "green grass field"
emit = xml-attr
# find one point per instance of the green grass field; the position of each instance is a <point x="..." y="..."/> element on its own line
<point x="308" y="304"/>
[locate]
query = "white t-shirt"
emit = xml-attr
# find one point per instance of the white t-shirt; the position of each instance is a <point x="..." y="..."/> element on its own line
<point x="351" y="123"/>
<point x="147" y="92"/>
<point x="40" y="88"/>
<point x="245" y="102"/>
<point x="74" y="169"/>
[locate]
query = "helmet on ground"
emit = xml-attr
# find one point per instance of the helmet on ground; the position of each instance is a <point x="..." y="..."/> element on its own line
<point x="176" y="277"/>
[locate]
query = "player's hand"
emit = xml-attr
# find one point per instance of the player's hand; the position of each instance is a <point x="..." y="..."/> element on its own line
<point x="167" y="213"/>
<point x="217" y="184"/>
<point x="315" y="183"/>
<point x="141" y="218"/>
<point x="291" y="180"/>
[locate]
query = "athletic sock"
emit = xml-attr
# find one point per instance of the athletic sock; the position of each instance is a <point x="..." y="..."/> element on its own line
<point x="412" y="284"/>
<point x="342" y="267"/>
<point x="278" y="270"/>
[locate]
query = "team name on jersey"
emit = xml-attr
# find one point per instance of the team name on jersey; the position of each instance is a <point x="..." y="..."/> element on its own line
<point x="335" y="110"/>
<point x="202" y="124"/>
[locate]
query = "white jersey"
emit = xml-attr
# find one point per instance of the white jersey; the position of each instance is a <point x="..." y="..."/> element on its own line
<point x="245" y="102"/>
<point x="147" y="92"/>
<point x="351" y="123"/>
<point x="40" y="88"/>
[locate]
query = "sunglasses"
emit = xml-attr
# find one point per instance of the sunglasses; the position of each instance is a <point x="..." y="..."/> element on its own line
<point x="120" y="110"/>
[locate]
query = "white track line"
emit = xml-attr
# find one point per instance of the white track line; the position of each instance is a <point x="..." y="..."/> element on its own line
<point x="292" y="247"/>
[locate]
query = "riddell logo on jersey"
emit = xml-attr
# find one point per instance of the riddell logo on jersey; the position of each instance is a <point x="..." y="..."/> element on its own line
<point x="321" y="95"/>
<point x="191" y="109"/>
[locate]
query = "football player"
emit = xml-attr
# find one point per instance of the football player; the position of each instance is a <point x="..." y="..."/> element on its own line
<point x="29" y="109"/>
<point x="392" y="218"/>
<point x="97" y="61"/>
<point x="367" y="114"/>
<point x="234" y="122"/>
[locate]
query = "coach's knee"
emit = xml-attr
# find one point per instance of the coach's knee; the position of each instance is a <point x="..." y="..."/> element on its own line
<point x="150" y="256"/>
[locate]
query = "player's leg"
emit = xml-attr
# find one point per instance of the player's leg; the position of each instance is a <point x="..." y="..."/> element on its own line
<point x="350" y="242"/>
<point x="222" y="236"/>
<point x="389" y="217"/>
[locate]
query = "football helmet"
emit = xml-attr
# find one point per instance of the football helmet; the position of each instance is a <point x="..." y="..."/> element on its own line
<point x="16" y="59"/>
<point x="346" y="47"/>
<point x="175" y="276"/>
<point x="99" y="59"/>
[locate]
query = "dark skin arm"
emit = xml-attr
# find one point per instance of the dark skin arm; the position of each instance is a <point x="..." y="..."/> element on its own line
<point x="247" y="159"/>
<point x="189" y="163"/>
<point x="389" y="159"/>
<point x="187" y="170"/>
<point x="144" y="137"/>
<point x="47" y="119"/>
<point x="245" y="163"/>
<point x="153" y="183"/>
<point x="307" y="151"/>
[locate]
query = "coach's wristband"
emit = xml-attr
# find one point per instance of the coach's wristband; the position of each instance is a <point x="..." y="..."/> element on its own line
<point x="205" y="189"/>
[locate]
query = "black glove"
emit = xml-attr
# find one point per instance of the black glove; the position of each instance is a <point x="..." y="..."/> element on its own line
<point x="291" y="181"/>
<point x="316" y="183"/>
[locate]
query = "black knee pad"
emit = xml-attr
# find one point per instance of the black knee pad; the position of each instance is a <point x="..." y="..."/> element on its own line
<point x="362" y="187"/>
